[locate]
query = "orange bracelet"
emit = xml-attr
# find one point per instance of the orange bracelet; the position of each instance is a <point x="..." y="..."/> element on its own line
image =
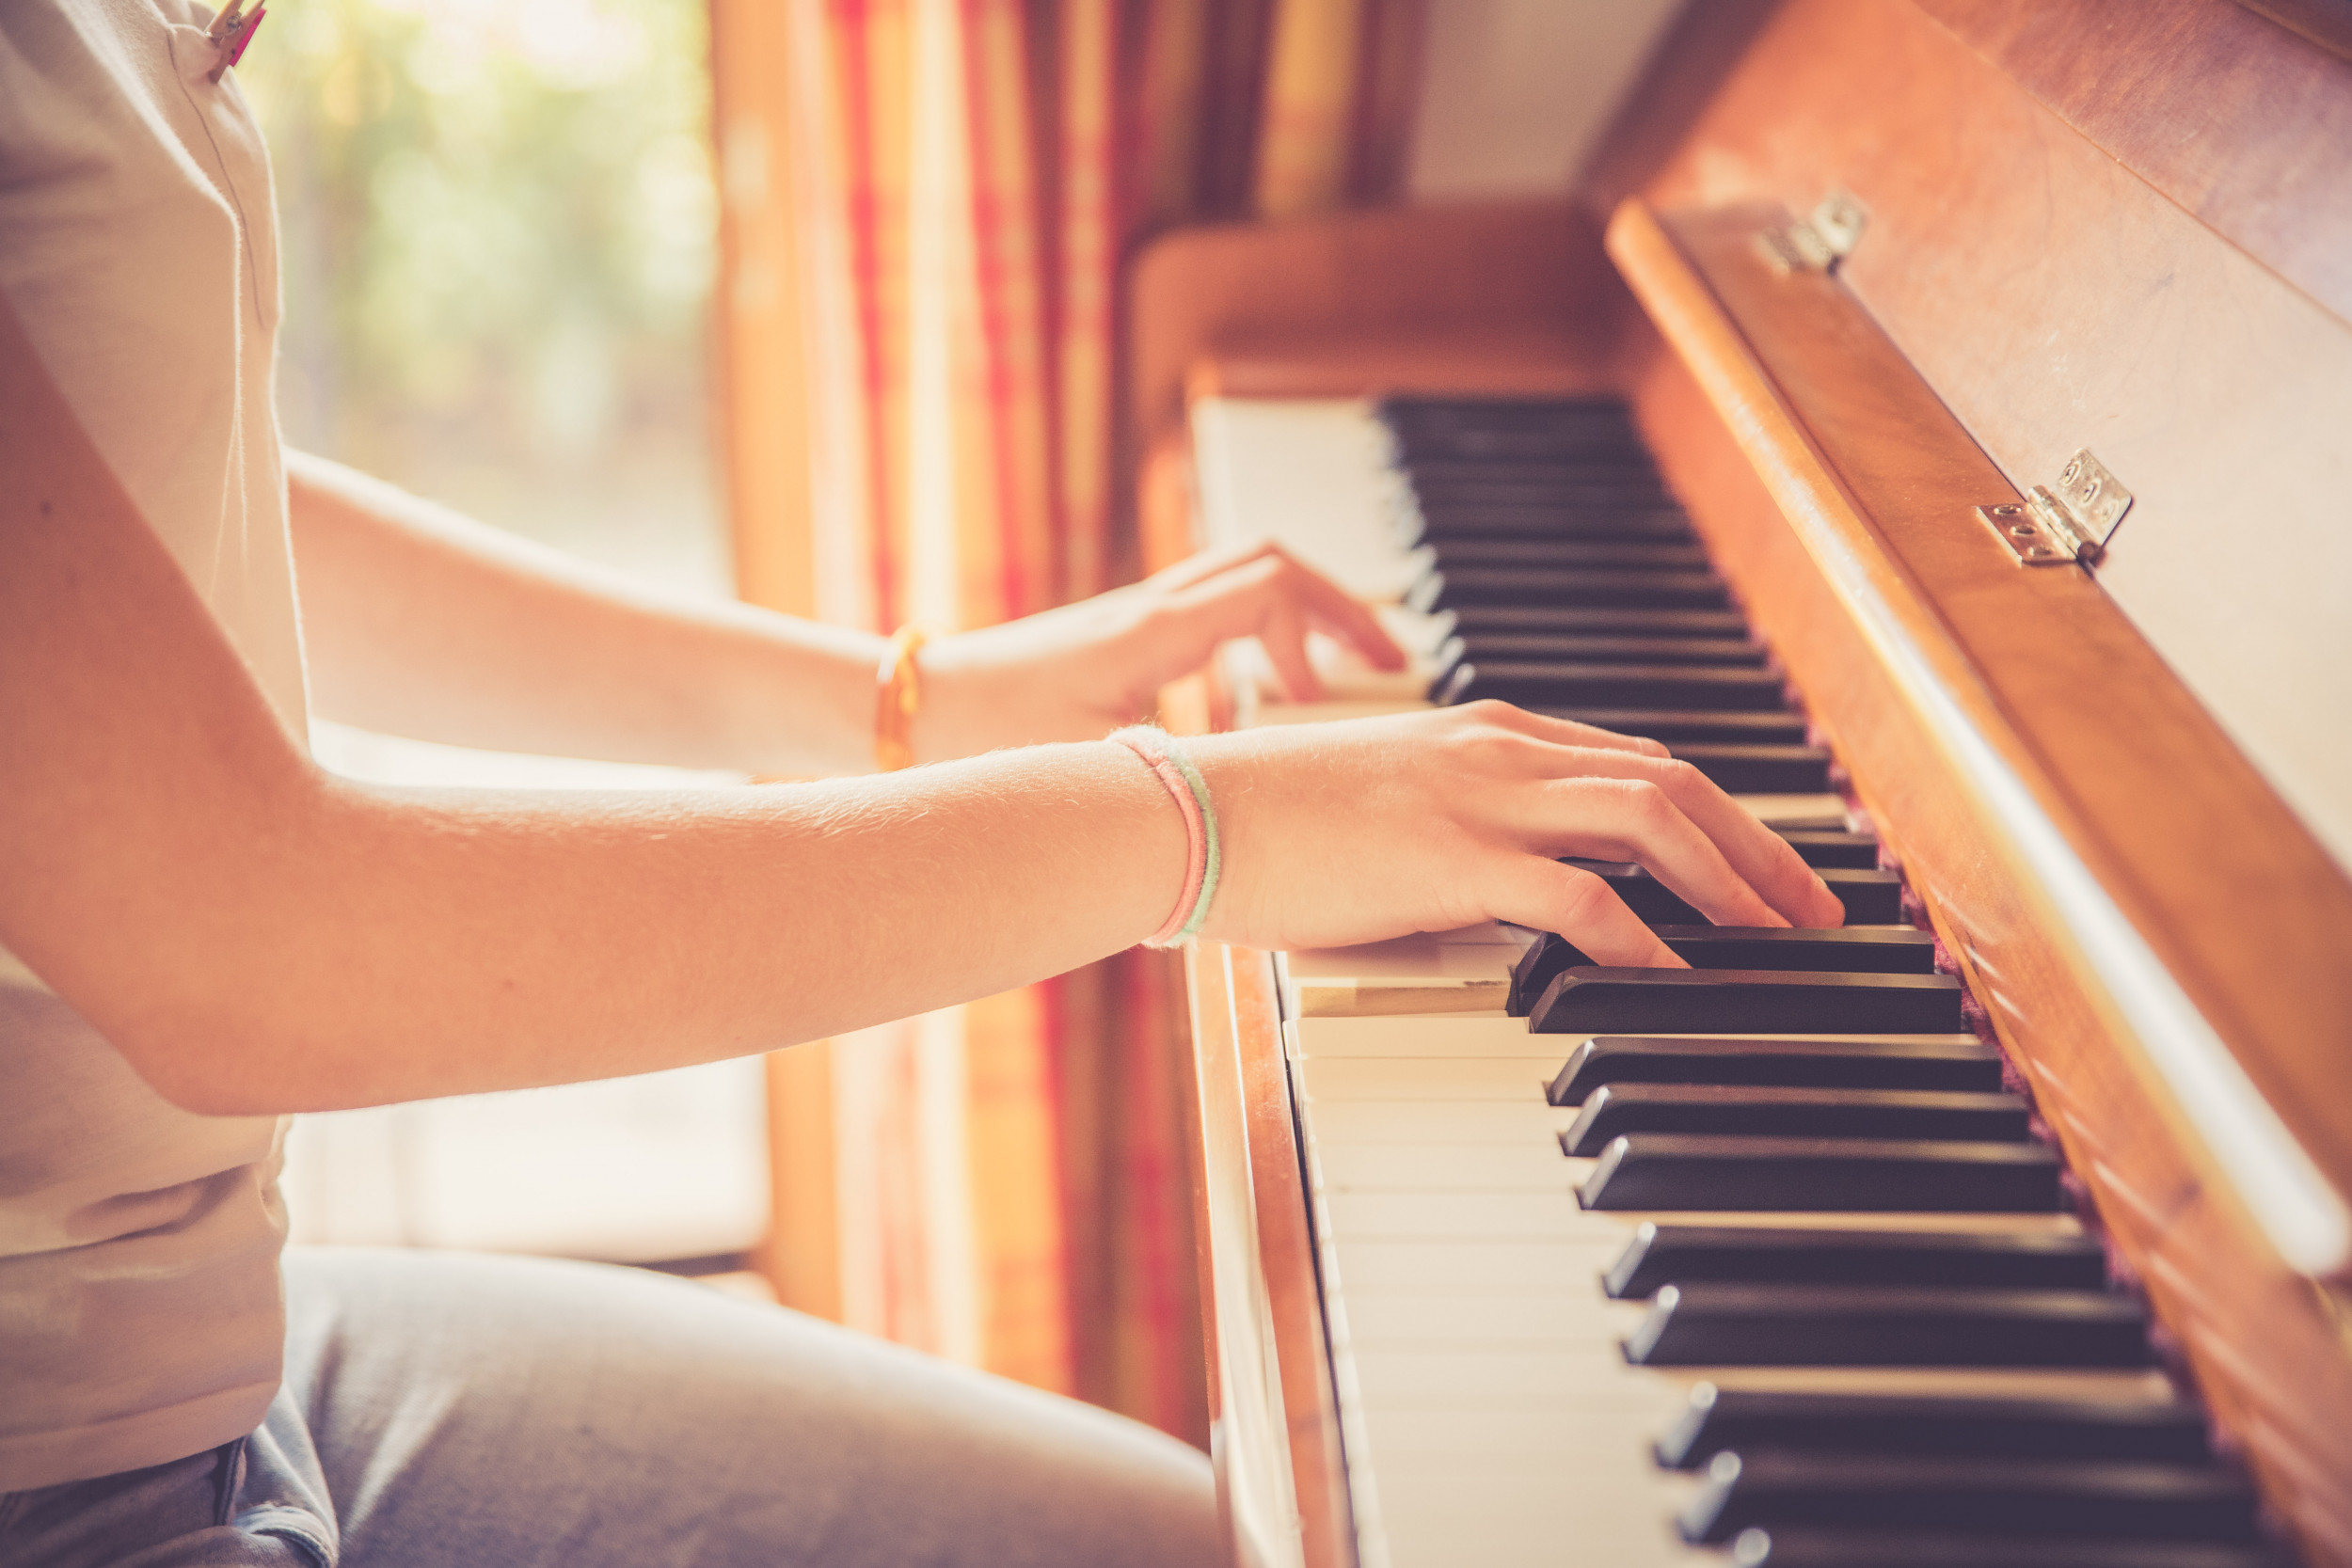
<point x="898" y="697"/>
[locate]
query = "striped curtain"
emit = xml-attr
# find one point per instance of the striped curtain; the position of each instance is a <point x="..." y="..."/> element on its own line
<point x="926" y="205"/>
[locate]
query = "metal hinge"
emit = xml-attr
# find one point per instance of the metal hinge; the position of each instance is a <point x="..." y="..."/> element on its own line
<point x="2072" y="523"/>
<point x="1820" y="240"/>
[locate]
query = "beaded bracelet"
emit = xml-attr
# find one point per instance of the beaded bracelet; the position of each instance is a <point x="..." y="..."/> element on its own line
<point x="1185" y="785"/>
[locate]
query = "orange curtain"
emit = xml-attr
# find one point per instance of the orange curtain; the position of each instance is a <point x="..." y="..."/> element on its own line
<point x="925" y="206"/>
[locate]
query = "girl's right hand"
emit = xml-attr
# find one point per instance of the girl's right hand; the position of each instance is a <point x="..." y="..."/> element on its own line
<point x="1367" y="829"/>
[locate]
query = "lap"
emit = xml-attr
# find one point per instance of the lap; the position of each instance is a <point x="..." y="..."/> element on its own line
<point x="471" y="1409"/>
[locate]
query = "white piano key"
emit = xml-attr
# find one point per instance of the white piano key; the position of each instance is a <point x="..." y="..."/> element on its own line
<point x="1795" y="810"/>
<point x="1412" y="1215"/>
<point x="1563" y="1538"/>
<point x="1379" y="1318"/>
<point x="1310" y="474"/>
<point x="1365" y="1267"/>
<point x="1425" y="1375"/>
<point x="1434" y="1037"/>
<point x="1487" y="1377"/>
<point x="1404" y="1121"/>
<point x="1364" y="1168"/>
<point x="1434" y="972"/>
<point x="1489" y="936"/>
<point x="1505" y="1078"/>
<point x="1444" y="1037"/>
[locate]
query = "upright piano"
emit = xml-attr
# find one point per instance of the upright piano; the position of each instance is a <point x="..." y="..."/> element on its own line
<point x="1933" y="421"/>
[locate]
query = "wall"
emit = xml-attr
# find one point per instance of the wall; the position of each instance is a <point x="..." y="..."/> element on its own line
<point x="1517" y="91"/>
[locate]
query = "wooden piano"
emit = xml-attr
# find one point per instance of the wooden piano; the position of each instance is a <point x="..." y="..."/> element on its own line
<point x="1993" y="359"/>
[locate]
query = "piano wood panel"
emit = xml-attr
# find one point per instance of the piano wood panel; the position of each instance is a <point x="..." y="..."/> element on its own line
<point x="2054" y="298"/>
<point x="2256" y="923"/>
<point x="1805" y="451"/>
<point x="1249" y="1153"/>
<point x="2228" y="113"/>
<point x="1494" y="296"/>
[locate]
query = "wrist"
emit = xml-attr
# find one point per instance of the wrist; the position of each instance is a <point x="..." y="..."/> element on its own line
<point x="1165" y="757"/>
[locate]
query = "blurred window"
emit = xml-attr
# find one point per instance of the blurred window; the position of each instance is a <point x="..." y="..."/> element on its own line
<point x="498" y="231"/>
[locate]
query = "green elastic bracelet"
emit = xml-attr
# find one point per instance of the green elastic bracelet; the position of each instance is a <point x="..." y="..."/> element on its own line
<point x="1200" y="788"/>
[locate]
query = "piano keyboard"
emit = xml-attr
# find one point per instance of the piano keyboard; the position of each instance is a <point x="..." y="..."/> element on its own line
<point x="1761" y="1261"/>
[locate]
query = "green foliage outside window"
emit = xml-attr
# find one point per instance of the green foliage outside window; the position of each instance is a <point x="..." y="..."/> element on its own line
<point x="498" y="235"/>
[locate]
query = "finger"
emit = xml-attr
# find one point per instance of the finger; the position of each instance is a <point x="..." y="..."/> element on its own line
<point x="1767" y="861"/>
<point x="1347" y="618"/>
<point x="1562" y="732"/>
<point x="1546" y="895"/>
<point x="1762" y="859"/>
<point x="1205" y="564"/>
<point x="1282" y="632"/>
<point x="1238" y="601"/>
<point x="1263" y="567"/>
<point x="1634" y="820"/>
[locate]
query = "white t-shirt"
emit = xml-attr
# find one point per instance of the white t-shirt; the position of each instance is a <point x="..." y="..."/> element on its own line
<point x="141" y="1316"/>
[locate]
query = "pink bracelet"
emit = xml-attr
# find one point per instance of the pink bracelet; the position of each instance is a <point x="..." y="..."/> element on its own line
<point x="1151" y="746"/>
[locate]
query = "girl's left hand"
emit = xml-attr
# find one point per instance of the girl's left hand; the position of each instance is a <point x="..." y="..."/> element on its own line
<point x="1079" y="672"/>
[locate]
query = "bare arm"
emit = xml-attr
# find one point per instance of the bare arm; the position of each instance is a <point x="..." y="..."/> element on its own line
<point x="255" y="935"/>
<point x="421" y="622"/>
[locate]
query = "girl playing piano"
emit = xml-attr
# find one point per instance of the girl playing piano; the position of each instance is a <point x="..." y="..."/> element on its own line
<point x="201" y="931"/>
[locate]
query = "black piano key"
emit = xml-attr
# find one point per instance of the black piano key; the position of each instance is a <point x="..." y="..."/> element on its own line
<point x="1888" y="1325"/>
<point x="1574" y="686"/>
<point x="1884" y="950"/>
<point x="1415" y="444"/>
<point x="1600" y="429"/>
<point x="1596" y="586"/>
<point x="1591" y="999"/>
<point x="1746" y="1419"/>
<point x="1681" y="1254"/>
<point x="1596" y="648"/>
<point x="1537" y="474"/>
<point x="1596" y="619"/>
<point x="1725" y="726"/>
<point x="1834" y="848"/>
<point x="1958" y="1064"/>
<point x="1483" y="417"/>
<point x="1847" y="949"/>
<point x="1695" y="1172"/>
<point x="1600" y="447"/>
<point x="1859" y="1548"/>
<point x="1617" y="456"/>
<point x="1843" y="949"/>
<point x="1871" y="897"/>
<point x="1616" y="1109"/>
<point x="1539" y="515"/>
<point x="1600" y="451"/>
<point x="1972" y="1496"/>
<point x="1564" y="554"/>
<point x="1760" y="770"/>
<point x="1579" y="499"/>
<point x="1440" y="520"/>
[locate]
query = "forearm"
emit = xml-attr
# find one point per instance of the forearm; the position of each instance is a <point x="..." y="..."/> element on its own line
<point x="359" y="947"/>
<point x="420" y="623"/>
<point x="254" y="935"/>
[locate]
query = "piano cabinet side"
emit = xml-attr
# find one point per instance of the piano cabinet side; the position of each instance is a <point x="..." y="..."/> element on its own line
<point x="1757" y="462"/>
<point x="1273" y="1419"/>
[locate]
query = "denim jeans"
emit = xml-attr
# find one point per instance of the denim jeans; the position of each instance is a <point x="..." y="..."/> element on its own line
<point x="443" y="1409"/>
